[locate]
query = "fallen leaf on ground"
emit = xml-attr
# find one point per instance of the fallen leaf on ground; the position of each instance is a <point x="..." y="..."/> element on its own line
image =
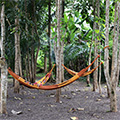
<point x="73" y="94"/>
<point x="72" y="110"/>
<point x="103" y="96"/>
<point x="16" y="113"/>
<point x="29" y="109"/>
<point x="33" y="97"/>
<point x="98" y="99"/>
<point x="68" y="97"/>
<point x="64" y="96"/>
<point x="17" y="98"/>
<point x="20" y="103"/>
<point x="74" y="118"/>
<point x="86" y="97"/>
<point x="52" y="95"/>
<point x="80" y="109"/>
<point x="52" y="105"/>
<point x="86" y="89"/>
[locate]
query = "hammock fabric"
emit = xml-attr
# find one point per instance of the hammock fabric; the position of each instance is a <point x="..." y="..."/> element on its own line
<point x="85" y="74"/>
<point x="43" y="80"/>
<point x="50" y="87"/>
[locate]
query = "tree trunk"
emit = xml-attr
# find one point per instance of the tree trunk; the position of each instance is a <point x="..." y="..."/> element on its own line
<point x="3" y="65"/>
<point x="62" y="44"/>
<point x="99" y="82"/>
<point x="26" y="69"/>
<point x="17" y="45"/>
<point x="99" y="43"/>
<point x="95" y="74"/>
<point x="106" y="53"/>
<point x="45" y="63"/>
<point x="62" y="61"/>
<point x="29" y="65"/>
<point x="118" y="24"/>
<point x="33" y="66"/>
<point x="113" y="101"/>
<point x="89" y="61"/>
<point x="49" y="34"/>
<point x="58" y="56"/>
<point x="3" y="86"/>
<point x="26" y="57"/>
<point x="34" y="30"/>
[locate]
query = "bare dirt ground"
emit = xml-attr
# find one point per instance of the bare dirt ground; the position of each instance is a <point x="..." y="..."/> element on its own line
<point x="77" y="100"/>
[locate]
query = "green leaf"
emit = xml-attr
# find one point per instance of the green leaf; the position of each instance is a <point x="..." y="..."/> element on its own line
<point x="54" y="33"/>
<point x="97" y="31"/>
<point x="65" y="18"/>
<point x="103" y="25"/>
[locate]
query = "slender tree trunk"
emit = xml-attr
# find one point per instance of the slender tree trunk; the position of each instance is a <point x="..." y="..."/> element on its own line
<point x="45" y="62"/>
<point x="58" y="60"/>
<point x="3" y="65"/>
<point x="49" y="34"/>
<point x="99" y="82"/>
<point x="62" y="61"/>
<point x="95" y="74"/>
<point x="30" y="68"/>
<point x="34" y="30"/>
<point x="89" y="61"/>
<point x="26" y="57"/>
<point x="106" y="53"/>
<point x="33" y="40"/>
<point x="113" y="99"/>
<point x="62" y="44"/>
<point x="20" y="61"/>
<point x="32" y="65"/>
<point x="99" y="43"/>
<point x="26" y="68"/>
<point x="17" y="45"/>
<point x="118" y="24"/>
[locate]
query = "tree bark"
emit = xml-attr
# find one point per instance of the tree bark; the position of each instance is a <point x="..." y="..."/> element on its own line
<point x="3" y="86"/>
<point x="62" y="44"/>
<point x="17" y="86"/>
<point x="113" y="101"/>
<point x="89" y="61"/>
<point x="3" y="65"/>
<point x="45" y="63"/>
<point x="30" y="68"/>
<point x="95" y="74"/>
<point x="17" y="45"/>
<point x="118" y="24"/>
<point x="26" y="68"/>
<point x="106" y="53"/>
<point x="58" y="56"/>
<point x="99" y="82"/>
<point x="49" y="34"/>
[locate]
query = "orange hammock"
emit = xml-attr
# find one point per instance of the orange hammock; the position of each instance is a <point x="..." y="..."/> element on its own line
<point x="85" y="74"/>
<point x="43" y="80"/>
<point x="50" y="87"/>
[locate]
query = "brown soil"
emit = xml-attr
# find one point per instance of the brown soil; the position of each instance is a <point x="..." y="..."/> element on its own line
<point x="77" y="100"/>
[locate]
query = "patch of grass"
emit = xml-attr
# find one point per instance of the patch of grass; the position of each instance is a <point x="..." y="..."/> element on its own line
<point x="40" y="74"/>
<point x="88" y="85"/>
<point x="119" y="85"/>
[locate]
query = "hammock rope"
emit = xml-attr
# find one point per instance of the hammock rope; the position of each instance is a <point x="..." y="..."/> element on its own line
<point x="85" y="74"/>
<point x="50" y="87"/>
